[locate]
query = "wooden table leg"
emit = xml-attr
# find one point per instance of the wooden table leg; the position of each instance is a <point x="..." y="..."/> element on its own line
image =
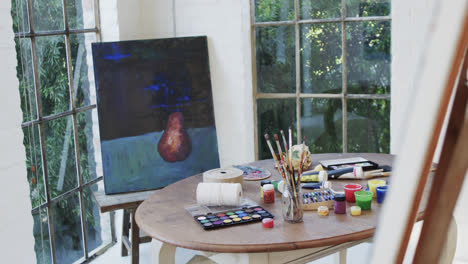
<point x="341" y="256"/>
<point x="162" y="253"/>
<point x="135" y="239"/>
<point x="125" y="231"/>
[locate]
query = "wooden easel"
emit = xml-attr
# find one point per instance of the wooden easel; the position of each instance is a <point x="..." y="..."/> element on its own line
<point x="453" y="163"/>
<point x="449" y="177"/>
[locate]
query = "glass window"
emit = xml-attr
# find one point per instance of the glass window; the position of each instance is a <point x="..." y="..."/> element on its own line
<point x="323" y="68"/>
<point x="61" y="136"/>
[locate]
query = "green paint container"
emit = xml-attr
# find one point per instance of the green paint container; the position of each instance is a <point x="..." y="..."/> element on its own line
<point x="363" y="199"/>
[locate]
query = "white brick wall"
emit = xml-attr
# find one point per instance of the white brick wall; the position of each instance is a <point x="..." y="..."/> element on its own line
<point x="16" y="224"/>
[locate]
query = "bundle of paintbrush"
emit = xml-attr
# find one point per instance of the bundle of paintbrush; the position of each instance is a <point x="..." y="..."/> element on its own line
<point x="283" y="160"/>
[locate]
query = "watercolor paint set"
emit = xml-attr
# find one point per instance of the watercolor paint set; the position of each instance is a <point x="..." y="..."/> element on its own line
<point x="313" y="200"/>
<point x="232" y="217"/>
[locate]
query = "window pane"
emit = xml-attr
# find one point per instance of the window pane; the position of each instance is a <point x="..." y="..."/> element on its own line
<point x="53" y="76"/>
<point x="88" y="138"/>
<point x="34" y="165"/>
<point x="321" y="124"/>
<point x="67" y="229"/>
<point x="368" y="125"/>
<point x="19" y="14"/>
<point x="83" y="76"/>
<point x="368" y="57"/>
<point x="274" y="10"/>
<point x="80" y="14"/>
<point x="98" y="230"/>
<point x="48" y="15"/>
<point x="321" y="58"/>
<point x="41" y="237"/>
<point x="364" y="8"/>
<point x="272" y="116"/>
<point x="60" y="154"/>
<point x="276" y="64"/>
<point x="25" y="76"/>
<point x="315" y="9"/>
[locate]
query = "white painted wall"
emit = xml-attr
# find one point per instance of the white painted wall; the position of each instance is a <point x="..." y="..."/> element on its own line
<point x="16" y="223"/>
<point x="227" y="25"/>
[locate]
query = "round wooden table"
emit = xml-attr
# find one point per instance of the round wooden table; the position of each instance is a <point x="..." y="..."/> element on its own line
<point x="163" y="217"/>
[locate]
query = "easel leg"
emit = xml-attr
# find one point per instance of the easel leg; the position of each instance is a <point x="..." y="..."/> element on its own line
<point x="448" y="251"/>
<point x="162" y="253"/>
<point x="442" y="200"/>
<point x="125" y="231"/>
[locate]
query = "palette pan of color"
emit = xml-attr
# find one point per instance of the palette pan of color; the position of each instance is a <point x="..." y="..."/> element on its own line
<point x="233" y="217"/>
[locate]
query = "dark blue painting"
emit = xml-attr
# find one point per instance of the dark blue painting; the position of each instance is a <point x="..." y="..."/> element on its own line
<point x="155" y="109"/>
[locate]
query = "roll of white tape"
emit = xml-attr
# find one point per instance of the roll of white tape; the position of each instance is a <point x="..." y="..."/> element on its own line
<point x="219" y="194"/>
<point x="228" y="175"/>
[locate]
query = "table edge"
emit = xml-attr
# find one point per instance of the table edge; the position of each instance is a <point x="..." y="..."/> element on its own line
<point x="275" y="247"/>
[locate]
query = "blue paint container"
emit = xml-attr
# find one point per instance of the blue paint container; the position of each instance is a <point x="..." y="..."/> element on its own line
<point x="381" y="191"/>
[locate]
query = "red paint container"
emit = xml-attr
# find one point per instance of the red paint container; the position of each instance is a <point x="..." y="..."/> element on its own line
<point x="350" y="189"/>
<point x="268" y="193"/>
<point x="267" y="222"/>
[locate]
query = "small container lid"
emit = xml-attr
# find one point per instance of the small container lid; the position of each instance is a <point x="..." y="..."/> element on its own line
<point x="265" y="182"/>
<point x="323" y="176"/>
<point x="340" y="197"/>
<point x="268" y="187"/>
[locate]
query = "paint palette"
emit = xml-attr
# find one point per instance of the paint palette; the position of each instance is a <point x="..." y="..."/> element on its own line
<point x="233" y="217"/>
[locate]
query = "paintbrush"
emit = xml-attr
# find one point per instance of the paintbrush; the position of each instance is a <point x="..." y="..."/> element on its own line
<point x="284" y="141"/>
<point x="302" y="161"/>
<point x="379" y="174"/>
<point x="358" y="173"/>
<point x="280" y="152"/>
<point x="290" y="147"/>
<point x="274" y="155"/>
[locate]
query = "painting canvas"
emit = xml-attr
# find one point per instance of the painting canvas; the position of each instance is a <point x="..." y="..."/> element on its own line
<point x="155" y="110"/>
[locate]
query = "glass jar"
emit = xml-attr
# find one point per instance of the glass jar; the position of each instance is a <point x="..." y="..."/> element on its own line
<point x="268" y="193"/>
<point x="292" y="203"/>
<point x="340" y="204"/>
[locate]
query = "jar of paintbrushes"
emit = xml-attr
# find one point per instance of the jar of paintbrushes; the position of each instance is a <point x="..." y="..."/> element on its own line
<point x="292" y="203"/>
<point x="292" y="197"/>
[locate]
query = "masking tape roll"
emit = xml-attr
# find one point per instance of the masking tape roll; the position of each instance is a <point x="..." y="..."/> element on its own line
<point x="228" y="175"/>
<point x="219" y="194"/>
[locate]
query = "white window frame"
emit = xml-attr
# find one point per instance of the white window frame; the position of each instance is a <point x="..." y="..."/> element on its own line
<point x="298" y="95"/>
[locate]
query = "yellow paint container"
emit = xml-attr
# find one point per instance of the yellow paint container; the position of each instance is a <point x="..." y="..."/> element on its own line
<point x="374" y="184"/>
<point x="322" y="210"/>
<point x="355" y="210"/>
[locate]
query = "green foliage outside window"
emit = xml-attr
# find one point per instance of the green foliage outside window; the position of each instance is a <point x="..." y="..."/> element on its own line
<point x="58" y="133"/>
<point x="322" y="65"/>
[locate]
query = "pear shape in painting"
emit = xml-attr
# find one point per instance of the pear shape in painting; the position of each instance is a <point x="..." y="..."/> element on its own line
<point x="175" y="144"/>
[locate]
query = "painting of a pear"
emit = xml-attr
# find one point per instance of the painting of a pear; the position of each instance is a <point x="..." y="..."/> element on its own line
<point x="175" y="144"/>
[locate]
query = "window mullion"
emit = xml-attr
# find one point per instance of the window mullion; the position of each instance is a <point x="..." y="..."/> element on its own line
<point x="41" y="131"/>
<point x="97" y="20"/>
<point x="344" y="74"/>
<point x="254" y="76"/>
<point x="298" y="72"/>
<point x="71" y="86"/>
